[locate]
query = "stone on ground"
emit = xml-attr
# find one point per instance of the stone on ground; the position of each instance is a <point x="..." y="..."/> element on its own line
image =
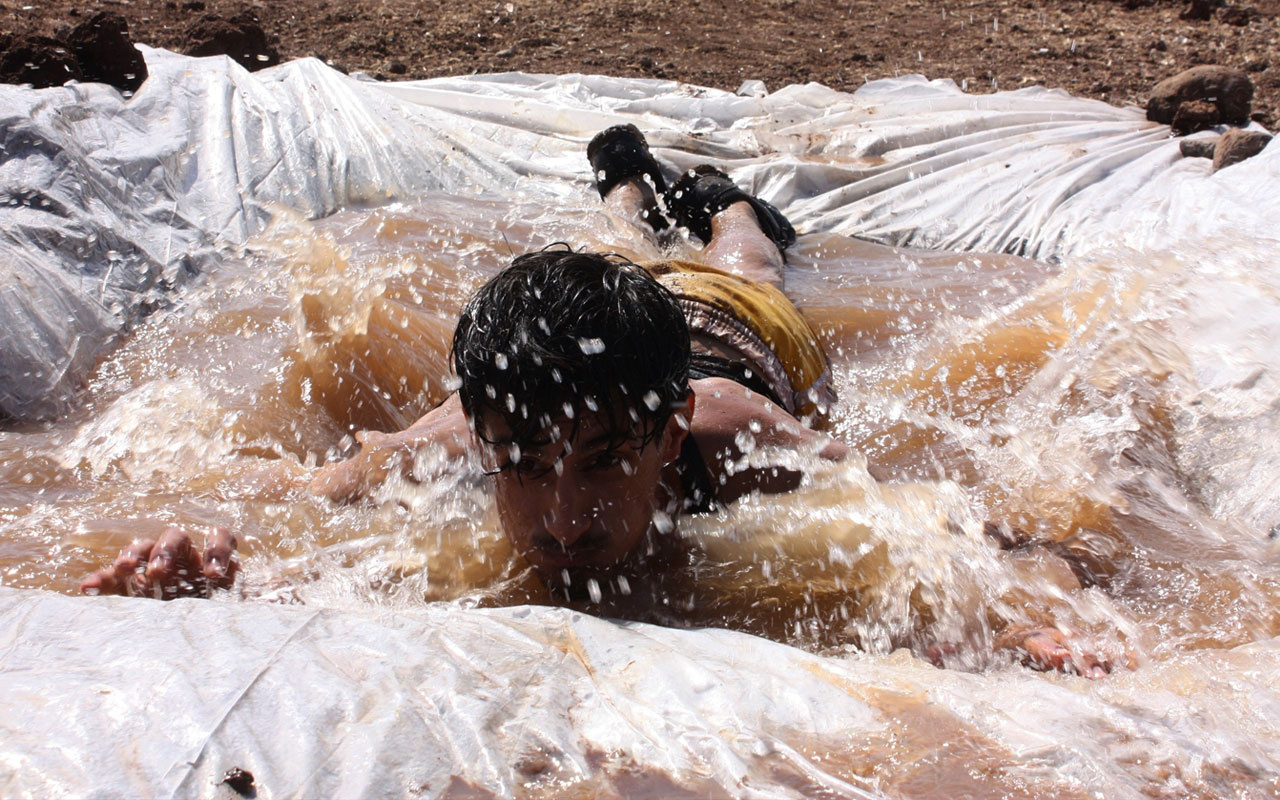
<point x="1228" y="89"/>
<point x="1236" y="145"/>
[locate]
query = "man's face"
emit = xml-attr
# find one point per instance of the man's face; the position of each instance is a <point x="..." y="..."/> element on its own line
<point x="577" y="500"/>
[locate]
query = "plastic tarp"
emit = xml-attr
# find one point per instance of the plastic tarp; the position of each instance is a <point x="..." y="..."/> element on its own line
<point x="527" y="701"/>
<point x="113" y="204"/>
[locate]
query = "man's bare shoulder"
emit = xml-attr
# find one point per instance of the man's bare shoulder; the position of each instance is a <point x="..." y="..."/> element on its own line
<point x="727" y="417"/>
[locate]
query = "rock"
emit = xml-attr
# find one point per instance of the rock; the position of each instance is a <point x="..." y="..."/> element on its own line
<point x="1198" y="148"/>
<point x="1195" y="115"/>
<point x="1236" y="145"/>
<point x="106" y="54"/>
<point x="1228" y="89"/>
<point x="241" y="37"/>
<point x="1238" y="15"/>
<point x="1200" y="9"/>
<point x="39" y="61"/>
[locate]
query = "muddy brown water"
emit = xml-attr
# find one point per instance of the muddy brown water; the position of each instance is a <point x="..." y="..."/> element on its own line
<point x="990" y="387"/>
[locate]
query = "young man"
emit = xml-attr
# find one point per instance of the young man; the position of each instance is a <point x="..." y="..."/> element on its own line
<point x="605" y="398"/>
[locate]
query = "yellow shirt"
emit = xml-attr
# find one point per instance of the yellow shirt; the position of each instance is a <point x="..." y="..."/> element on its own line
<point x="794" y="363"/>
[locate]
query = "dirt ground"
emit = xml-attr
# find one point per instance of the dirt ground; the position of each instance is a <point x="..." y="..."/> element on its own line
<point x="1113" y="50"/>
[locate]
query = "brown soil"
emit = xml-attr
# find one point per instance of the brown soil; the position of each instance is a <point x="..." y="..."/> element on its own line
<point x="1113" y="50"/>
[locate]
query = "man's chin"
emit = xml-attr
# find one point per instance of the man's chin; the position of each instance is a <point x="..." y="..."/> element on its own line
<point x="582" y="568"/>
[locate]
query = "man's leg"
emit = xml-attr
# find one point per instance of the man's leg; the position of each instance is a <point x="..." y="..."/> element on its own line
<point x="739" y="246"/>
<point x="627" y="176"/>
<point x="743" y="234"/>
<point x="634" y="199"/>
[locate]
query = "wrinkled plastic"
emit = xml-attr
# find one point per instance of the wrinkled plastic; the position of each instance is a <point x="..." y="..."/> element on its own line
<point x="117" y="697"/>
<point x="112" y="205"/>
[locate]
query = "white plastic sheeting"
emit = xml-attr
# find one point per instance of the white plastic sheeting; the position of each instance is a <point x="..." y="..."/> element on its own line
<point x="117" y="697"/>
<point x="111" y="204"/>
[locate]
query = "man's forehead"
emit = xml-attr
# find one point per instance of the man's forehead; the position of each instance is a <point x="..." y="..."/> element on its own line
<point x="580" y="431"/>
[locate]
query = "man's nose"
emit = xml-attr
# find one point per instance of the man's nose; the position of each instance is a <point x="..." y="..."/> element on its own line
<point x="570" y="515"/>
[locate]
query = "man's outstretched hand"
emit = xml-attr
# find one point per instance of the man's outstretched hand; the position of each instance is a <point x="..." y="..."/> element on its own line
<point x="169" y="567"/>
<point x="1050" y="649"/>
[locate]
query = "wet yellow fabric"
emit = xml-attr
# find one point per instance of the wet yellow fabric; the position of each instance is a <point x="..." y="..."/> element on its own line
<point x="763" y="309"/>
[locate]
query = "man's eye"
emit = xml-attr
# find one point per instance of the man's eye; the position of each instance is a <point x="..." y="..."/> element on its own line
<point x="530" y="468"/>
<point x="606" y="461"/>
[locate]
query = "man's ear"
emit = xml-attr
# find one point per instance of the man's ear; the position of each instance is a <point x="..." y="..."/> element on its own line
<point x="677" y="429"/>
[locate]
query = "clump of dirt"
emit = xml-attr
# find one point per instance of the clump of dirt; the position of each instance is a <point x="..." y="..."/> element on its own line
<point x="106" y="53"/>
<point x="98" y="49"/>
<point x="239" y="36"/>
<point x="1112" y="50"/>
<point x="1202" y="97"/>
<point x="1236" y="145"/>
<point x="41" y="61"/>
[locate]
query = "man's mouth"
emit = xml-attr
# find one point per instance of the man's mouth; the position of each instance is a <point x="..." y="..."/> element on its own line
<point x="587" y="550"/>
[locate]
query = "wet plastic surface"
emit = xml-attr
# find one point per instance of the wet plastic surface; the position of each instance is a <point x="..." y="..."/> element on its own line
<point x="133" y="697"/>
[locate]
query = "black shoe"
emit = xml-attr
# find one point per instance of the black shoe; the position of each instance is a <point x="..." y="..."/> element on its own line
<point x="619" y="153"/>
<point x="705" y="191"/>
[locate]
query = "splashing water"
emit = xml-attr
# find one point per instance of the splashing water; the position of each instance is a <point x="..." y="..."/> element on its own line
<point x="1106" y="405"/>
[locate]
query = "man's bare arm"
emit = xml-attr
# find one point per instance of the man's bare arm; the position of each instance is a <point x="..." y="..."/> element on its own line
<point x="725" y="412"/>
<point x="384" y="454"/>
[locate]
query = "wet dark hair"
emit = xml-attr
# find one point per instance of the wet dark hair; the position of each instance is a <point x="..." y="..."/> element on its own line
<point x="561" y="334"/>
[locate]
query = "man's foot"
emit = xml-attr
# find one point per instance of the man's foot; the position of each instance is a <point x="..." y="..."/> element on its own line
<point x="620" y="153"/>
<point x="705" y="191"/>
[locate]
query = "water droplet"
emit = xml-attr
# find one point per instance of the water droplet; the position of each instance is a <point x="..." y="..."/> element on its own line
<point x="662" y="521"/>
<point x="500" y="360"/>
<point x="591" y="346"/>
<point x="651" y="400"/>
<point x="593" y="589"/>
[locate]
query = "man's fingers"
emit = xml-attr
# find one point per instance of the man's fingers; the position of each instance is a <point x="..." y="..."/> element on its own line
<point x="220" y="562"/>
<point x="175" y="569"/>
<point x="130" y="568"/>
<point x="123" y="576"/>
<point x="1046" y="650"/>
<point x="1049" y="649"/>
<point x="169" y="567"/>
<point x="101" y="582"/>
